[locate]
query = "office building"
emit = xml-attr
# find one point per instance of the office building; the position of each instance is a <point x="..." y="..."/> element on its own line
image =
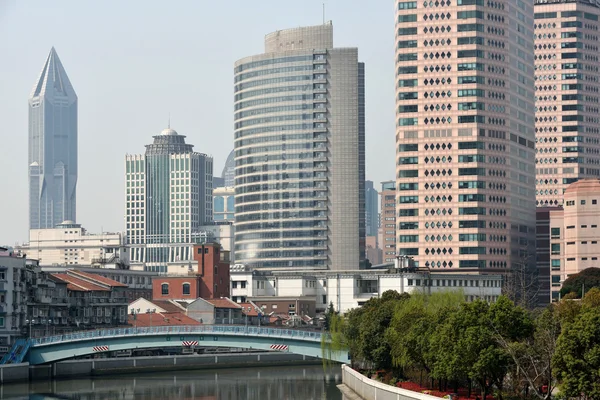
<point x="574" y="232"/>
<point x="69" y="244"/>
<point x="228" y="173"/>
<point x="299" y="153"/>
<point x="387" y="225"/>
<point x="567" y="96"/>
<point x="465" y="133"/>
<point x="52" y="147"/>
<point x="371" y="209"/>
<point x="169" y="196"/>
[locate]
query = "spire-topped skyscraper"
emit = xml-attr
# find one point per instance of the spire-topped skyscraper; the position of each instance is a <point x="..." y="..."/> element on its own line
<point x="52" y="147"/>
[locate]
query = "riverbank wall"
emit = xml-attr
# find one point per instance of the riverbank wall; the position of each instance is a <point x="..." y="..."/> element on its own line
<point x="356" y="386"/>
<point x="130" y="365"/>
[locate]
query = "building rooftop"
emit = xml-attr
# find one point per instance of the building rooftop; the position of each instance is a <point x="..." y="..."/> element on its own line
<point x="584" y="186"/>
<point x="79" y="285"/>
<point x="223" y="303"/>
<point x="169" y="306"/>
<point x="161" y="319"/>
<point x="98" y="278"/>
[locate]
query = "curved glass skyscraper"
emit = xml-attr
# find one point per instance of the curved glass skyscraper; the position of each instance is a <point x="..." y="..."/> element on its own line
<point x="299" y="153"/>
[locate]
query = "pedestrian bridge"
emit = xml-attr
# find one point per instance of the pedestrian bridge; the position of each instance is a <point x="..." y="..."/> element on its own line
<point x="60" y="347"/>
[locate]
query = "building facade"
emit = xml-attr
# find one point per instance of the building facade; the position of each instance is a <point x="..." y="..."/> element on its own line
<point x="567" y="95"/>
<point x="228" y="173"/>
<point x="69" y="244"/>
<point x="574" y="233"/>
<point x="387" y="223"/>
<point x="52" y="147"/>
<point x="465" y="133"/>
<point x="351" y="289"/>
<point x="371" y="209"/>
<point x="169" y="196"/>
<point x="299" y="153"/>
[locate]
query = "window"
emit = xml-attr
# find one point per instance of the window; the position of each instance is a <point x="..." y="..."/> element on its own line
<point x="555" y="232"/>
<point x="324" y="299"/>
<point x="555" y="264"/>
<point x="186" y="289"/>
<point x="243" y="284"/>
<point x="164" y="289"/>
<point x="555" y="248"/>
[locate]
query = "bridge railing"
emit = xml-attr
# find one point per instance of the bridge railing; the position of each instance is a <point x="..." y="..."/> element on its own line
<point x="196" y="329"/>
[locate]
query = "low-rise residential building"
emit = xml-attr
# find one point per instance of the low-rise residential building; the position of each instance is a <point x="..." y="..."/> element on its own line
<point x="13" y="297"/>
<point x="160" y="319"/>
<point x="215" y="311"/>
<point x="286" y="306"/>
<point x="575" y="233"/>
<point x="69" y="244"/>
<point x="350" y="289"/>
<point x="94" y="301"/>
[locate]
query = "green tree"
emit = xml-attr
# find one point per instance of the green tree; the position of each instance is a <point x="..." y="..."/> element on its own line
<point x="585" y="280"/>
<point x="328" y="315"/>
<point x="577" y="357"/>
<point x="413" y="325"/>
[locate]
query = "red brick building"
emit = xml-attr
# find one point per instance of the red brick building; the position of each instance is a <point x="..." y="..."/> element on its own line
<point x="210" y="279"/>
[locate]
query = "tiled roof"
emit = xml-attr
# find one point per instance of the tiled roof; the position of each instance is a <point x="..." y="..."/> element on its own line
<point x="245" y="306"/>
<point x="168" y="306"/>
<point x="79" y="285"/>
<point x="161" y="319"/>
<point x="98" y="278"/>
<point x="223" y="303"/>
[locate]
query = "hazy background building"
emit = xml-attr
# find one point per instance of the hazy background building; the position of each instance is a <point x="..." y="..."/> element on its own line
<point x="371" y="209"/>
<point x="224" y="204"/>
<point x="169" y="196"/>
<point x="465" y="134"/>
<point x="299" y="153"/>
<point x="567" y="93"/>
<point x="52" y="147"/>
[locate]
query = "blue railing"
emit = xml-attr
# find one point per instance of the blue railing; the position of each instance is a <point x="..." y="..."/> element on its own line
<point x="197" y="329"/>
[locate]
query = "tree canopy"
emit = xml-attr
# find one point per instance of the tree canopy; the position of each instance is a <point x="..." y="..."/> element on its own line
<point x="585" y="280"/>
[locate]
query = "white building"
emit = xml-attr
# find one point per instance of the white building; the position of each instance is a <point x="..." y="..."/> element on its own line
<point x="351" y="289"/>
<point x="69" y="244"/>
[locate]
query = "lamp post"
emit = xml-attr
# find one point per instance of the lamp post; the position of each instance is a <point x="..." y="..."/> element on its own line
<point x="135" y="313"/>
<point x="30" y="322"/>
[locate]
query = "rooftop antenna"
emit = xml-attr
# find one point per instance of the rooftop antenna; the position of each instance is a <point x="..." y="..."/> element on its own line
<point x="169" y="125"/>
<point x="323" y="13"/>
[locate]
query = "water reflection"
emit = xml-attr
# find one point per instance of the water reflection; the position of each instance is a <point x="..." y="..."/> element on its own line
<point x="270" y="383"/>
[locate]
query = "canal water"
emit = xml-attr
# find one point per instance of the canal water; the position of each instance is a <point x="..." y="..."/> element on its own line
<point x="267" y="383"/>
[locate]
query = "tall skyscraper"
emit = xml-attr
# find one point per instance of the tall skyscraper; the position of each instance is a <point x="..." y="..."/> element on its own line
<point x="371" y="209"/>
<point x="52" y="147"/>
<point x="169" y="196"/>
<point x="465" y="133"/>
<point x="228" y="174"/>
<point x="567" y="93"/>
<point x="299" y="153"/>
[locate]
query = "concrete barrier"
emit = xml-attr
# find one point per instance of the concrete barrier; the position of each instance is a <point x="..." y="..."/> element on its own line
<point x="368" y="389"/>
<point x="108" y="366"/>
<point x="14" y="372"/>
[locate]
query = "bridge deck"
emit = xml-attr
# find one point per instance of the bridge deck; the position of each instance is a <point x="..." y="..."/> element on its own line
<point x="233" y="330"/>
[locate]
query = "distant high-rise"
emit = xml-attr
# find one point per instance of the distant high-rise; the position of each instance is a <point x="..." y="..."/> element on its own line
<point x="299" y="153"/>
<point x="465" y="162"/>
<point x="169" y="196"/>
<point x="371" y="209"/>
<point x="228" y="174"/>
<point x="567" y="96"/>
<point x="52" y="147"/>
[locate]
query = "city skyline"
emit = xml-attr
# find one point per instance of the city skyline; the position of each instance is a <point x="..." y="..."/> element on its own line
<point x="112" y="124"/>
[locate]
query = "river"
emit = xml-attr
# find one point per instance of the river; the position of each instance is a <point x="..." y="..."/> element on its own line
<point x="265" y="383"/>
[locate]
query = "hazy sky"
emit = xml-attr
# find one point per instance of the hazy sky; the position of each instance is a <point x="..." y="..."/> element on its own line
<point x="133" y="62"/>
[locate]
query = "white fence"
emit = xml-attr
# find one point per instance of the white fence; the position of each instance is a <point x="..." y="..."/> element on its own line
<point x="369" y="389"/>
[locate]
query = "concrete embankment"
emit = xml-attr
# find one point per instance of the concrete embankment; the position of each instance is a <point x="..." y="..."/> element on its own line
<point x="356" y="386"/>
<point x="108" y="366"/>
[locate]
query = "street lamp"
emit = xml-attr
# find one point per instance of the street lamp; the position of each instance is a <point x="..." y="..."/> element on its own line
<point x="30" y="322"/>
<point x="134" y="313"/>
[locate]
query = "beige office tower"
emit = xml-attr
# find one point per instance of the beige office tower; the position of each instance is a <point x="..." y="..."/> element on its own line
<point x="465" y="133"/>
<point x="567" y="90"/>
